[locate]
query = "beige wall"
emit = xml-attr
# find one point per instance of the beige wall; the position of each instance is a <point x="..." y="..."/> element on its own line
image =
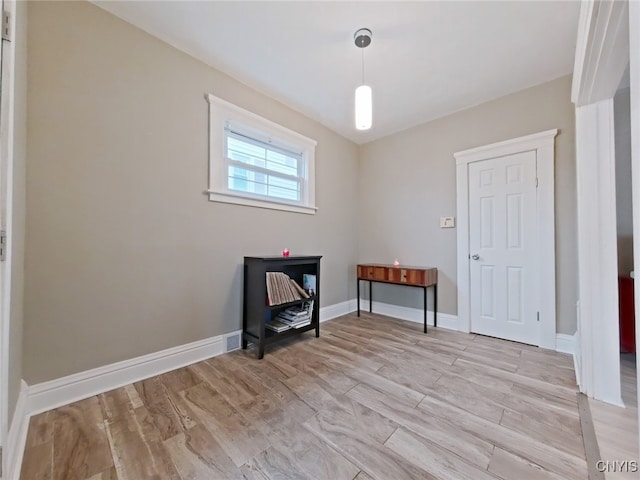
<point x="624" y="205"/>
<point x="19" y="205"/>
<point x="125" y="254"/>
<point x="408" y="181"/>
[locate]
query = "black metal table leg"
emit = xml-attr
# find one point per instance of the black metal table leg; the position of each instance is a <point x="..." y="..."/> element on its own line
<point x="425" y="308"/>
<point x="435" y="304"/>
<point x="358" y="294"/>
<point x="370" y="308"/>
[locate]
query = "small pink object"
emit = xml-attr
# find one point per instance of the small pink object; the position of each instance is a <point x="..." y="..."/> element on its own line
<point x="285" y="252"/>
<point x="396" y="262"/>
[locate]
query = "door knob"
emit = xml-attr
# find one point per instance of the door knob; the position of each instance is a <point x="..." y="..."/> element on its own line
<point x="475" y="257"/>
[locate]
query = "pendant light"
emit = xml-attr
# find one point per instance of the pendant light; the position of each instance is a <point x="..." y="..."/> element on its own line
<point x="364" y="101"/>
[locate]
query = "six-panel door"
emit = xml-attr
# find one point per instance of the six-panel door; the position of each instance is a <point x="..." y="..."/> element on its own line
<point x="502" y="246"/>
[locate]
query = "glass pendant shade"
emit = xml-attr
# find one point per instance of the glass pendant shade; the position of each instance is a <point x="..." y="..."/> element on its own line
<point x="364" y="107"/>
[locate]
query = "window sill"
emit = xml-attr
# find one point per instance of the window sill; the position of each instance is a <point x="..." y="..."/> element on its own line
<point x="253" y="202"/>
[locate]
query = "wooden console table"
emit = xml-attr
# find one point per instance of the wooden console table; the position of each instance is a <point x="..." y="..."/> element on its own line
<point x="422" y="277"/>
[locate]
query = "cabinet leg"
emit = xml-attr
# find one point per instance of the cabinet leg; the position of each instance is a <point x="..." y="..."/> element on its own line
<point x="435" y="305"/>
<point x="245" y="344"/>
<point x="425" y="309"/>
<point x="318" y="330"/>
<point x="260" y="351"/>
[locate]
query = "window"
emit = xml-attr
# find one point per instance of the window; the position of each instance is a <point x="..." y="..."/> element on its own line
<point x="261" y="168"/>
<point x="255" y="162"/>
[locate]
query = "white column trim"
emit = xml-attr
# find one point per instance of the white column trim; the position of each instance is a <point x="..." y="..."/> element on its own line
<point x="602" y="50"/>
<point x="543" y="144"/>
<point x="7" y="112"/>
<point x="602" y="53"/>
<point x="597" y="252"/>
<point x="634" y="81"/>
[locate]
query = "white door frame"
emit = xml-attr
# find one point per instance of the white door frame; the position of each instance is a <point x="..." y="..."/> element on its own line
<point x="543" y="144"/>
<point x="634" y="77"/>
<point x="6" y="190"/>
<point x="5" y="266"/>
<point x="602" y="54"/>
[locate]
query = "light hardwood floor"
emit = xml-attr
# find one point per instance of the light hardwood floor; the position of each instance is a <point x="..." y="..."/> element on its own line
<point x="616" y="428"/>
<point x="372" y="398"/>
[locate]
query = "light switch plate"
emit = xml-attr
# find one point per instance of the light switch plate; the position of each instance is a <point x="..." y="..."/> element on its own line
<point x="447" y="222"/>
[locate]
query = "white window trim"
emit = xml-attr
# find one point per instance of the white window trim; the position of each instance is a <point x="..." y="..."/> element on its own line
<point x="222" y="112"/>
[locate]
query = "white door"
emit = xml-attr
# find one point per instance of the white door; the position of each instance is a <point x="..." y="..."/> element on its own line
<point x="4" y="273"/>
<point x="502" y="246"/>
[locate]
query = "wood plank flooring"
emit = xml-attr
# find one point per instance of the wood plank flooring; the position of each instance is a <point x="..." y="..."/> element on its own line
<point x="616" y="428"/>
<point x="372" y="398"/>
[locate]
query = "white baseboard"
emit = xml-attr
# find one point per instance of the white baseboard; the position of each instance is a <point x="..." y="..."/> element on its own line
<point x="576" y="369"/>
<point x="569" y="344"/>
<point x="565" y="343"/>
<point x="17" y="437"/>
<point x="336" y="310"/>
<point x="62" y="391"/>
<point x="445" y="320"/>
<point x="577" y="353"/>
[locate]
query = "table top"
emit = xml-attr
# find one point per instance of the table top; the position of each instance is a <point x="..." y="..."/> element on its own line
<point x="383" y="265"/>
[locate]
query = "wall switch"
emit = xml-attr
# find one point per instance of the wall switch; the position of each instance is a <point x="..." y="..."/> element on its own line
<point x="447" y="222"/>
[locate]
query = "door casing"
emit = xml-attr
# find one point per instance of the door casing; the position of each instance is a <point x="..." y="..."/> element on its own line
<point x="543" y="145"/>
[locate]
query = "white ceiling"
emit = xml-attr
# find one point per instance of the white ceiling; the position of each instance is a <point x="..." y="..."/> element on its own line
<point x="426" y="59"/>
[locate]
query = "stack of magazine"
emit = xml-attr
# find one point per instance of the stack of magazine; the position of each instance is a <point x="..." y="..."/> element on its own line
<point x="293" y="317"/>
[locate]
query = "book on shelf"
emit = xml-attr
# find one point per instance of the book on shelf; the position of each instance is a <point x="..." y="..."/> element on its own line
<point x="297" y="311"/>
<point x="283" y="317"/>
<point x="308" y="307"/>
<point x="299" y="289"/>
<point x="294" y="323"/>
<point x="277" y="326"/>
<point x="309" y="283"/>
<point x="280" y="289"/>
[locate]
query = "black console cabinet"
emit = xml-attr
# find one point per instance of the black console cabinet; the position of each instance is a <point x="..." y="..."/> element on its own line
<point x="256" y="310"/>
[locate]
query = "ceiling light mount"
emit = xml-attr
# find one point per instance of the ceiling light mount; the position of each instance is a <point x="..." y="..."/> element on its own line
<point x="362" y="38"/>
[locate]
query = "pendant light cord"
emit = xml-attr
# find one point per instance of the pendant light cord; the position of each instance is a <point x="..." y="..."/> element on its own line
<point x="362" y="64"/>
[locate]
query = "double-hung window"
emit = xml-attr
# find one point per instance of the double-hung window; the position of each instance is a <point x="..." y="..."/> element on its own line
<point x="256" y="162"/>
